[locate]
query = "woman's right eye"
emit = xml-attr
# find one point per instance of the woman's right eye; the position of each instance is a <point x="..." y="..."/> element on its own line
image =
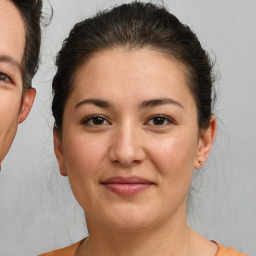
<point x="4" y="77"/>
<point x="95" y="121"/>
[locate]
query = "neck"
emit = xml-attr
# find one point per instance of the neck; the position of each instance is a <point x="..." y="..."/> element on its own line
<point x="172" y="237"/>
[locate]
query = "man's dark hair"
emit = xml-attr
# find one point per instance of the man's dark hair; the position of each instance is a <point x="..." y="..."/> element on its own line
<point x="31" y="13"/>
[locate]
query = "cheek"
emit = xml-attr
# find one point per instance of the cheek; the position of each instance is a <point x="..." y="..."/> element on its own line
<point x="83" y="155"/>
<point x="9" y="106"/>
<point x="84" y="160"/>
<point x="174" y="157"/>
<point x="9" y="111"/>
<point x="175" y="150"/>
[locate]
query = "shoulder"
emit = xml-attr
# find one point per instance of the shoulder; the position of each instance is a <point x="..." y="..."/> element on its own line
<point x="67" y="251"/>
<point x="228" y="251"/>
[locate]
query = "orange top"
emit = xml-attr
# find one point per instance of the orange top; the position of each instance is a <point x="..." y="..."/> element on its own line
<point x="71" y="250"/>
<point x="223" y="251"/>
<point x="67" y="251"/>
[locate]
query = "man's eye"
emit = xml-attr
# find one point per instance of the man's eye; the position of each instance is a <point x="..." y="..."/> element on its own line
<point x="4" y="77"/>
<point x="160" y="121"/>
<point x="96" y="120"/>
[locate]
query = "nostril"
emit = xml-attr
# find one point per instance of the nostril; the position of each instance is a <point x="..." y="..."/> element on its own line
<point x="125" y="148"/>
<point x="127" y="159"/>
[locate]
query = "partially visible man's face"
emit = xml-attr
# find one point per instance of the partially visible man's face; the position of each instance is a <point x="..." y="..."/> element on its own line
<point x="12" y="105"/>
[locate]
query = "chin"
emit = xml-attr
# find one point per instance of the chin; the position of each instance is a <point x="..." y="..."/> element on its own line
<point x="129" y="219"/>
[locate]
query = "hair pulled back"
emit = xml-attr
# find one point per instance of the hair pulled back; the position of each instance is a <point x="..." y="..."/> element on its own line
<point x="134" y="26"/>
<point x="31" y="11"/>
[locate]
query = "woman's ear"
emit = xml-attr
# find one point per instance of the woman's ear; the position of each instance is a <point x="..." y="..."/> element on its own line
<point x="59" y="151"/>
<point x="205" y="143"/>
<point x="27" y="103"/>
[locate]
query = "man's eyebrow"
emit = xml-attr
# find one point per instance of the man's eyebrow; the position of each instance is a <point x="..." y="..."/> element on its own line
<point x="158" y="102"/>
<point x="10" y="60"/>
<point x="97" y="102"/>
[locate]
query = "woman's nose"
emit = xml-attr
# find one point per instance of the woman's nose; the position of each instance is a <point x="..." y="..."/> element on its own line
<point x="126" y="146"/>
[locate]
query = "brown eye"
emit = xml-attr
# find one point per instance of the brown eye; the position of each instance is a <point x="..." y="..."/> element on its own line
<point x="96" y="121"/>
<point x="4" y="77"/>
<point x="160" y="121"/>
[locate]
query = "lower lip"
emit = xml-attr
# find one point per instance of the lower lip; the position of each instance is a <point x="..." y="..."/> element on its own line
<point x="127" y="189"/>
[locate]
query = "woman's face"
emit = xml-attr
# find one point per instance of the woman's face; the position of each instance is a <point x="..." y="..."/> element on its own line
<point x="13" y="108"/>
<point x="130" y="139"/>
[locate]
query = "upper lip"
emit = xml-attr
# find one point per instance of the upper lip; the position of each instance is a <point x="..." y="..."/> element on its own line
<point x="126" y="180"/>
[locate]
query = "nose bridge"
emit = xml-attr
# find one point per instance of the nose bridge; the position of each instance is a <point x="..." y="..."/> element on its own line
<point x="126" y="145"/>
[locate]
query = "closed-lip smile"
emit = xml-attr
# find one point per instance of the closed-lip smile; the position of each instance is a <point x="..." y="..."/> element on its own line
<point x="127" y="186"/>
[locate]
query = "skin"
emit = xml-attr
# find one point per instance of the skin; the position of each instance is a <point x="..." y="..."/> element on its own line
<point x="14" y="103"/>
<point x="122" y="139"/>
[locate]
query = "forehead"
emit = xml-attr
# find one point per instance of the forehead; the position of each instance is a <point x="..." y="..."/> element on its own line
<point x="12" y="36"/>
<point x="122" y="72"/>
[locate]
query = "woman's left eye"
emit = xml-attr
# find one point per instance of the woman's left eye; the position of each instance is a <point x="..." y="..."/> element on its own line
<point x="96" y="121"/>
<point x="160" y="121"/>
<point x="4" y="77"/>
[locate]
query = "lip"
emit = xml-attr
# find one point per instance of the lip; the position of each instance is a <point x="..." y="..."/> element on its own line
<point x="127" y="186"/>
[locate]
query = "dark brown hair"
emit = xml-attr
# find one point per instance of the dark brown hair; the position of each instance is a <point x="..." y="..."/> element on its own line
<point x="31" y="11"/>
<point x="134" y="26"/>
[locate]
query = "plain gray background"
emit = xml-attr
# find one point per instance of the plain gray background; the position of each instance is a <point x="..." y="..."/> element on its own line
<point x="37" y="210"/>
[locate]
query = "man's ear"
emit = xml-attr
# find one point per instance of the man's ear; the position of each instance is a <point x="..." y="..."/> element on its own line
<point x="27" y="103"/>
<point x="205" y="143"/>
<point x="59" y="151"/>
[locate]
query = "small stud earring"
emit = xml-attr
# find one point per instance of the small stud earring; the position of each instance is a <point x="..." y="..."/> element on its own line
<point x="201" y="162"/>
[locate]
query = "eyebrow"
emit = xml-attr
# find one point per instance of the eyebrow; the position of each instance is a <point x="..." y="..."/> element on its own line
<point x="159" y="102"/>
<point x="144" y="104"/>
<point x="10" y="60"/>
<point x="96" y="102"/>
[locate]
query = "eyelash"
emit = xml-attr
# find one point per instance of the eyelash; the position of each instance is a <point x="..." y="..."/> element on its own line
<point x="93" y="118"/>
<point x="5" y="78"/>
<point x="161" y="118"/>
